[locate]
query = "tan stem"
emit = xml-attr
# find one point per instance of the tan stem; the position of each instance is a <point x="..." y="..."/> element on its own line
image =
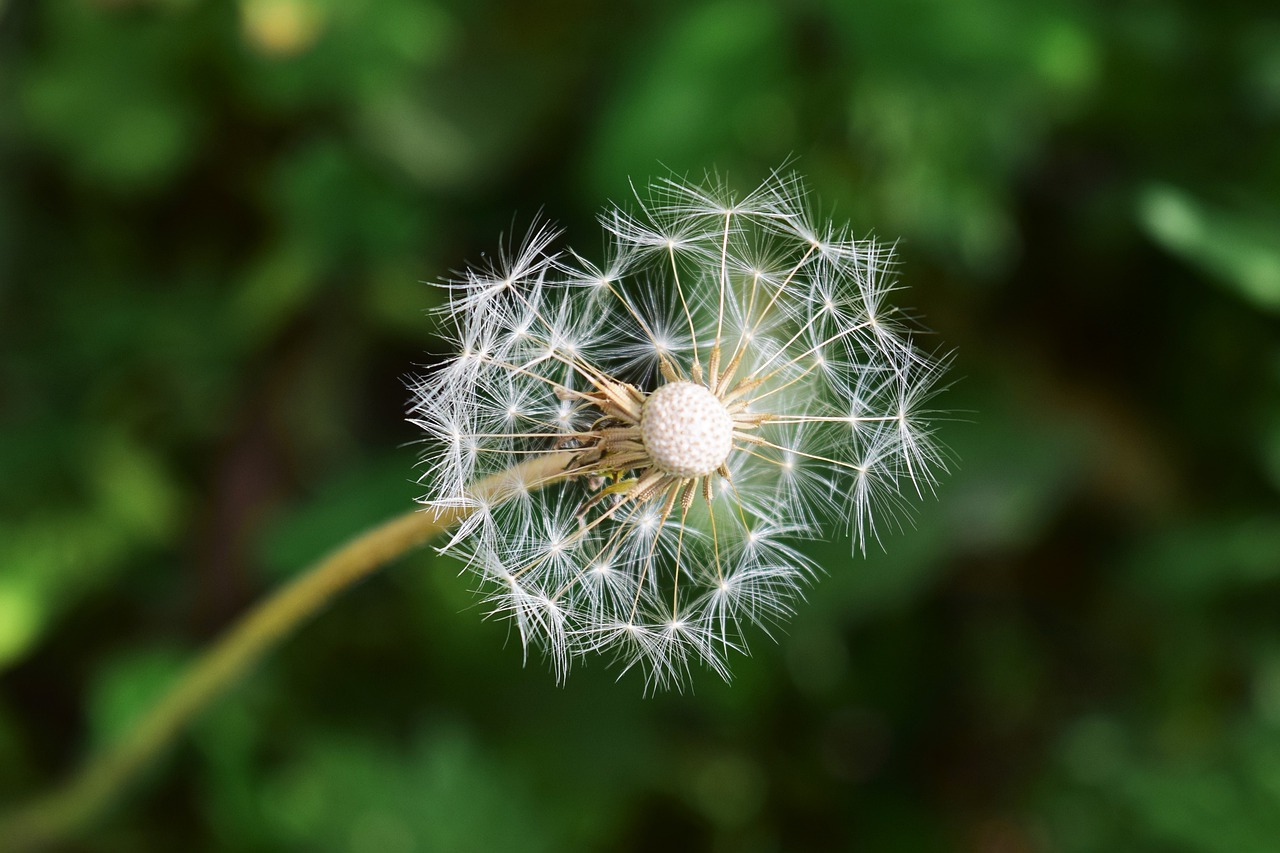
<point x="58" y="815"/>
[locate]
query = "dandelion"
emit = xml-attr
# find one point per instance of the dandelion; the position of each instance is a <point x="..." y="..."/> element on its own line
<point x="729" y="381"/>
<point x="624" y="453"/>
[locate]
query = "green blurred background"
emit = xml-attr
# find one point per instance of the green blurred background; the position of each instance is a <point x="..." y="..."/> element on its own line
<point x="215" y="222"/>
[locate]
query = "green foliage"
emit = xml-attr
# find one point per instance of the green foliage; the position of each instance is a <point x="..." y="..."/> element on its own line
<point x="214" y="224"/>
<point x="1239" y="248"/>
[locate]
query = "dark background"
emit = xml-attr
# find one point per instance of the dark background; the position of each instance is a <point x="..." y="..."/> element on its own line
<point x="215" y="222"/>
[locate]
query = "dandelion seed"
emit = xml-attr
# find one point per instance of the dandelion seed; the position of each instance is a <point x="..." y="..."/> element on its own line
<point x="731" y="380"/>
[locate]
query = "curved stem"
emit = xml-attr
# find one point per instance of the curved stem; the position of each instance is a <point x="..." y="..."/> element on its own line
<point x="61" y="813"/>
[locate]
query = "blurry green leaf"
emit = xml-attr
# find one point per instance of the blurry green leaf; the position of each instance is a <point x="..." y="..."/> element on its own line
<point x="134" y="490"/>
<point x="438" y="794"/>
<point x="275" y="289"/>
<point x="22" y="614"/>
<point x="1095" y="750"/>
<point x="128" y="686"/>
<point x="1066" y="54"/>
<point x="1227" y="801"/>
<point x="714" y="77"/>
<point x="1238" y="249"/>
<point x="1207" y="809"/>
<point x="935" y="178"/>
<point x="106" y="95"/>
<point x="428" y="146"/>
<point x="944" y="112"/>
<point x="1209" y="557"/>
<point x="51" y="558"/>
<point x="1262" y="56"/>
<point x="338" y="209"/>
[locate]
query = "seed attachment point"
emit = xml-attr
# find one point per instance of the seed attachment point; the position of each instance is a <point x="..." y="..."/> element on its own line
<point x="686" y="429"/>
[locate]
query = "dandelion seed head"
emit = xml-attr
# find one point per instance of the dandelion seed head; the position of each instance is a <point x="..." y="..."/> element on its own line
<point x="733" y="378"/>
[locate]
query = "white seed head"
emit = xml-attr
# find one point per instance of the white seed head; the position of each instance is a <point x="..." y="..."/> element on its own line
<point x="732" y="378"/>
<point x="686" y="429"/>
